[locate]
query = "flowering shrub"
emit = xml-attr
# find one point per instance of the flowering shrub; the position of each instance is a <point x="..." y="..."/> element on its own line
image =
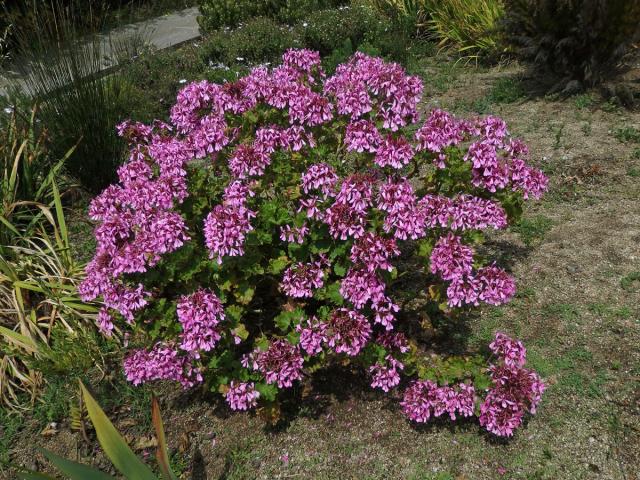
<point x="259" y="236"/>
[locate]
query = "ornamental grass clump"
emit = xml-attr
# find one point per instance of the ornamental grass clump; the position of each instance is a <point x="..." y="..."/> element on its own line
<point x="260" y="236"/>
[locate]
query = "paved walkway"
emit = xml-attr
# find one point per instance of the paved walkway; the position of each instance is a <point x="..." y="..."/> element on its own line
<point x="162" y="32"/>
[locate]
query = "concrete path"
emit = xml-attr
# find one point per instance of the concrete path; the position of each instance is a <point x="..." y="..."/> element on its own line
<point x="161" y="32"/>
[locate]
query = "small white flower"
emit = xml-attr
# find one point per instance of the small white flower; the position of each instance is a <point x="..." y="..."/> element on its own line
<point x="240" y="59"/>
<point x="9" y="110"/>
<point x="182" y="80"/>
<point x="305" y="24"/>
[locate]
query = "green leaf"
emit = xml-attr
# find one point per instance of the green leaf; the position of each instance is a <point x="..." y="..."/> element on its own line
<point x="113" y="444"/>
<point x="268" y="392"/>
<point x="244" y="293"/>
<point x="425" y="247"/>
<point x="339" y="269"/>
<point x="162" y="454"/>
<point x="284" y="320"/>
<point x="74" y="470"/>
<point x="234" y="312"/>
<point x="277" y="265"/>
<point x="241" y="331"/>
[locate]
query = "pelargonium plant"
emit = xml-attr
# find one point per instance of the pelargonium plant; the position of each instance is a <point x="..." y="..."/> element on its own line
<point x="263" y="232"/>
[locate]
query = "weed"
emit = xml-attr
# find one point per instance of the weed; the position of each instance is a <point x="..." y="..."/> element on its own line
<point x="586" y="129"/>
<point x="628" y="134"/>
<point x="610" y="107"/>
<point x="630" y="282"/>
<point x="238" y="460"/>
<point x="558" y="136"/>
<point x="533" y="230"/>
<point x="53" y="405"/>
<point x="481" y="106"/>
<point x="564" y="311"/>
<point x="10" y="426"/>
<point x="584" y="100"/>
<point x="507" y="90"/>
<point x="636" y="154"/>
<point x="445" y="77"/>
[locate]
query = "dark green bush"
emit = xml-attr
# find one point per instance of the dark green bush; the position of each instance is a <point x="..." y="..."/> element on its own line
<point x="230" y="13"/>
<point x="260" y="40"/>
<point x="329" y="30"/>
<point x="578" y="40"/>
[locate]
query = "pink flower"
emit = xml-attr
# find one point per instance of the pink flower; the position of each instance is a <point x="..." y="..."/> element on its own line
<point x="319" y="177"/>
<point x="347" y="331"/>
<point x="386" y="376"/>
<point x="451" y="258"/>
<point x="293" y="234"/>
<point x="225" y="230"/>
<point x="373" y="252"/>
<point x="394" y="152"/>
<point x="362" y="136"/>
<point x="393" y="340"/>
<point x="312" y="335"/>
<point x="281" y="363"/>
<point x="361" y="286"/>
<point x="163" y="362"/>
<point x="512" y="352"/>
<point x="301" y="279"/>
<point x="495" y="285"/>
<point x="242" y="396"/>
<point x="199" y="314"/>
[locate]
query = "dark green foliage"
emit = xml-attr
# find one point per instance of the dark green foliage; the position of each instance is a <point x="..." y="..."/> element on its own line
<point x="579" y="40"/>
<point x="329" y="30"/>
<point x="260" y="40"/>
<point x="230" y="13"/>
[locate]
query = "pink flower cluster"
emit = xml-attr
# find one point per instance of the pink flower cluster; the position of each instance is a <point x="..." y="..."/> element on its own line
<point x="464" y="212"/>
<point x="281" y="363"/>
<point x="137" y="221"/>
<point x="226" y="228"/>
<point x="301" y="279"/>
<point x="453" y="261"/>
<point x="425" y="399"/>
<point x="242" y="395"/>
<point x="515" y="389"/>
<point x="162" y="362"/>
<point x="395" y="94"/>
<point x="200" y="313"/>
<point x="386" y="375"/>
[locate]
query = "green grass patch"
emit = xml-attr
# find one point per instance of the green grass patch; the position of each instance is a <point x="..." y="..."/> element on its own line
<point x="631" y="282"/>
<point x="507" y="90"/>
<point x="239" y="460"/>
<point x="584" y="100"/>
<point x="533" y="230"/>
<point x="10" y="426"/>
<point x="634" y="171"/>
<point x="564" y="311"/>
<point x="628" y="134"/>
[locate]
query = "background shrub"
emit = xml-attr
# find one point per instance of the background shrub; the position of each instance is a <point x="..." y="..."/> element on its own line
<point x="229" y="13"/>
<point x="260" y="40"/>
<point x="580" y="40"/>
